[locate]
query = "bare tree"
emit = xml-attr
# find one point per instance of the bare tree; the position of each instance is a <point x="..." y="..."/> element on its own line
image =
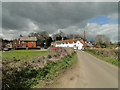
<point x="102" y="41"/>
<point x="43" y="38"/>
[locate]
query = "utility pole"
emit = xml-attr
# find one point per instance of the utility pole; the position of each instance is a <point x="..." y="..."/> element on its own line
<point x="84" y="35"/>
<point x="84" y="39"/>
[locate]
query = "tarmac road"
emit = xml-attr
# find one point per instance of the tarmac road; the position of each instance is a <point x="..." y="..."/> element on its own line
<point x="89" y="72"/>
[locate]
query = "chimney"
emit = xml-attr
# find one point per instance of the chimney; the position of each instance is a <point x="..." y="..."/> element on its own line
<point x="20" y="35"/>
<point x="62" y="38"/>
<point x="73" y="37"/>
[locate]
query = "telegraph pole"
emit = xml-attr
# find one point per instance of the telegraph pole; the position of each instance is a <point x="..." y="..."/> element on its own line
<point x="84" y="35"/>
<point x="84" y="40"/>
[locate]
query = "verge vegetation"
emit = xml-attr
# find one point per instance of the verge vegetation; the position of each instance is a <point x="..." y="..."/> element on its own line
<point x="107" y="55"/>
<point x="38" y="70"/>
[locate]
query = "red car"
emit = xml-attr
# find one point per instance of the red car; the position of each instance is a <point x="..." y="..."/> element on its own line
<point x="54" y="47"/>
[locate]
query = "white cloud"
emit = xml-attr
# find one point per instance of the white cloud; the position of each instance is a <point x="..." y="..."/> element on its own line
<point x="24" y="18"/>
<point x="93" y="29"/>
<point x="32" y="26"/>
<point x="110" y="30"/>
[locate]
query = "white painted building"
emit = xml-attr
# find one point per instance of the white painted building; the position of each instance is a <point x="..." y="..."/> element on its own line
<point x="75" y="43"/>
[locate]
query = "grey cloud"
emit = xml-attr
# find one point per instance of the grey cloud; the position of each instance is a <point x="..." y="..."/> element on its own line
<point x="53" y="16"/>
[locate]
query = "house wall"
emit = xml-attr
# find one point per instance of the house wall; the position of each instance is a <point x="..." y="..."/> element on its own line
<point x="79" y="45"/>
<point x="28" y="43"/>
<point x="76" y="45"/>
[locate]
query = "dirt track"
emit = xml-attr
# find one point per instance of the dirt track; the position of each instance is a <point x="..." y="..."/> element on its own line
<point x="89" y="72"/>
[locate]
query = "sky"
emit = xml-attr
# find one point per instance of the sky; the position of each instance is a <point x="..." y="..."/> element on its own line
<point x="70" y="17"/>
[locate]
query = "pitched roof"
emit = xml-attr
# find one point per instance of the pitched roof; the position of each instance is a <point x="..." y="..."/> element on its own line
<point x="68" y="41"/>
<point x="28" y="38"/>
<point x="71" y="41"/>
<point x="90" y="46"/>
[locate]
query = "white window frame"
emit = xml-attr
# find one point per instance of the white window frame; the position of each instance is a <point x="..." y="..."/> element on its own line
<point x="22" y="41"/>
<point x="31" y="42"/>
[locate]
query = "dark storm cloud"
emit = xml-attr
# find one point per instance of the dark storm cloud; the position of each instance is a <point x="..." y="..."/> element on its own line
<point x="52" y="16"/>
<point x="15" y="15"/>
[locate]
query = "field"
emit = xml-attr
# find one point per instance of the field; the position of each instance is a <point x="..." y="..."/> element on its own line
<point x="22" y="55"/>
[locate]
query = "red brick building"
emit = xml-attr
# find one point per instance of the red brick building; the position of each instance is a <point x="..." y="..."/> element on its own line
<point x="25" y="42"/>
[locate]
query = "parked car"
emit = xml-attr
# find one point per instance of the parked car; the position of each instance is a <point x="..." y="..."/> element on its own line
<point x="6" y="49"/>
<point x="54" y="48"/>
<point x="117" y="48"/>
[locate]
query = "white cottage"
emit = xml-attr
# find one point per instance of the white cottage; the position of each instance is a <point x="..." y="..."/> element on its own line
<point x="75" y="43"/>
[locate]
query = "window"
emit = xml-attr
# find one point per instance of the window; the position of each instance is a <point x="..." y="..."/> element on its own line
<point x="22" y="46"/>
<point x="32" y="42"/>
<point x="22" y="41"/>
<point x="19" y="42"/>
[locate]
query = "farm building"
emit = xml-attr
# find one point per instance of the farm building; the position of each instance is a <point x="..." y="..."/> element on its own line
<point x="25" y="42"/>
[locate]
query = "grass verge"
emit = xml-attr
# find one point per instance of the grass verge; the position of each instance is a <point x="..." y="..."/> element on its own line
<point x="109" y="60"/>
<point x="54" y="69"/>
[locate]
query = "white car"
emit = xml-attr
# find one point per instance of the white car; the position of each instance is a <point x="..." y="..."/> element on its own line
<point x="6" y="49"/>
<point x="117" y="48"/>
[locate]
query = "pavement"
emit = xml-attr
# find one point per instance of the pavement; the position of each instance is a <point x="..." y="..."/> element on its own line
<point x="89" y="72"/>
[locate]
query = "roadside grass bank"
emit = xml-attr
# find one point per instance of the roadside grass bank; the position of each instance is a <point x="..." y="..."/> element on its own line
<point x="37" y="70"/>
<point x="55" y="69"/>
<point x="103" y="56"/>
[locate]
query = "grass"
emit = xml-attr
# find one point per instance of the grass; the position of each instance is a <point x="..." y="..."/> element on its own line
<point x="22" y="55"/>
<point x="52" y="70"/>
<point x="109" y="60"/>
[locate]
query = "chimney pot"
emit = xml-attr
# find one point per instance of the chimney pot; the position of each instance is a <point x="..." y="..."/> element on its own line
<point x="20" y="35"/>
